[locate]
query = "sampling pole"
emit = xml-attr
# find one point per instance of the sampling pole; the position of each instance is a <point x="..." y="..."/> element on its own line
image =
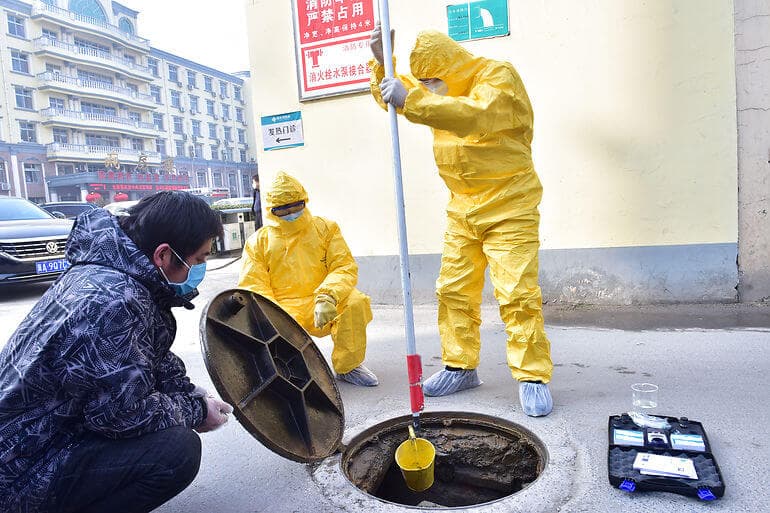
<point x="413" y="362"/>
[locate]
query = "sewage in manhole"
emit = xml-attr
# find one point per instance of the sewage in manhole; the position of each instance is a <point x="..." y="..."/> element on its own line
<point x="479" y="459"/>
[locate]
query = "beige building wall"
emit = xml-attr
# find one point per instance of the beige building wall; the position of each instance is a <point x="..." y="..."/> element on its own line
<point x="635" y="133"/>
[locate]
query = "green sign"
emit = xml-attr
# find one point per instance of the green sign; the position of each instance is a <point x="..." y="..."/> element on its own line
<point x="477" y="19"/>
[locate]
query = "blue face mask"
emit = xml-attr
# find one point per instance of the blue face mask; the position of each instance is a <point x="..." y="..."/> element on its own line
<point x="292" y="217"/>
<point x="188" y="288"/>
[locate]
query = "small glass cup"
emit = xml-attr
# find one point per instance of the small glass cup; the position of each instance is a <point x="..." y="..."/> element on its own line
<point x="644" y="397"/>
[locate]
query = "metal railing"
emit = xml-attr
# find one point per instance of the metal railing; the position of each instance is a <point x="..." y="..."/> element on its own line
<point x="101" y="150"/>
<point x="41" y="8"/>
<point x="52" y="112"/>
<point x="45" y="42"/>
<point x="50" y="76"/>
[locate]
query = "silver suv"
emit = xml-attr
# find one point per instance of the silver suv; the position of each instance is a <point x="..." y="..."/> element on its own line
<point x="32" y="242"/>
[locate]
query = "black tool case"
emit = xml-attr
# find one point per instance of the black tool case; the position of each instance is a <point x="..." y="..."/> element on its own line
<point x="622" y="453"/>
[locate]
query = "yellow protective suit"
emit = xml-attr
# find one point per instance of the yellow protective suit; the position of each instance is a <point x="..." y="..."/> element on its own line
<point x="482" y="133"/>
<point x="291" y="263"/>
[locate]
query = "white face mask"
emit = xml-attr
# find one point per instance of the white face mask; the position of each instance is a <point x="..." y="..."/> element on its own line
<point x="436" y="86"/>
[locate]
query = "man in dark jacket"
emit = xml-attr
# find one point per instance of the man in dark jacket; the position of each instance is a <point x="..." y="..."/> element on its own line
<point x="96" y="413"/>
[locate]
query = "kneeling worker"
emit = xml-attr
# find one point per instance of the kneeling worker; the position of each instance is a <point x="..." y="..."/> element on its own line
<point x="301" y="262"/>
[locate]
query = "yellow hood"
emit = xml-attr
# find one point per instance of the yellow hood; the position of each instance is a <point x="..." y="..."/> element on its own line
<point x="436" y="55"/>
<point x="285" y="189"/>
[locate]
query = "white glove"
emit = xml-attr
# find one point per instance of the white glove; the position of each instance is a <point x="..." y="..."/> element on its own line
<point x="393" y="92"/>
<point x="325" y="310"/>
<point x="375" y="42"/>
<point x="216" y="415"/>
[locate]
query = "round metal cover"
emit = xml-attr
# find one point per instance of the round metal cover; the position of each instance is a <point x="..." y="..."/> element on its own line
<point x="264" y="364"/>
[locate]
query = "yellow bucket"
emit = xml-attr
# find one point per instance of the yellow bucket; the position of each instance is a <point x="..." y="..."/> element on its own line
<point x="415" y="458"/>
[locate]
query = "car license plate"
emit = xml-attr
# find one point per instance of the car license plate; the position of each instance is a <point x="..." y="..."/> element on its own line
<point x="52" y="266"/>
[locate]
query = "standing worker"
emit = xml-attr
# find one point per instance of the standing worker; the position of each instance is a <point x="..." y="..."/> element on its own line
<point x="256" y="202"/>
<point x="301" y="262"/>
<point x="481" y="120"/>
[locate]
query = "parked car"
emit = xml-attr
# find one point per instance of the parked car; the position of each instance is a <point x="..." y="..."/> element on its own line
<point x="120" y="208"/>
<point x="68" y="209"/>
<point x="32" y="242"/>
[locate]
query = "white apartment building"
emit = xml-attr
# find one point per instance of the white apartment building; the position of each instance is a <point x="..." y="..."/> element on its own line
<point x="90" y="106"/>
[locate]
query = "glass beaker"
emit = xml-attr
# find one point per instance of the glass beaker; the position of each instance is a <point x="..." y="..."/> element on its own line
<point x="644" y="397"/>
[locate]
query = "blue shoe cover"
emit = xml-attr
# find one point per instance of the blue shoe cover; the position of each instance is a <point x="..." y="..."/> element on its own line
<point x="360" y="376"/>
<point x="535" y="399"/>
<point x="447" y="382"/>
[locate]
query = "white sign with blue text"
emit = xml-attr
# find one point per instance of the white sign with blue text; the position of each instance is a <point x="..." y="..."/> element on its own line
<point x="282" y="131"/>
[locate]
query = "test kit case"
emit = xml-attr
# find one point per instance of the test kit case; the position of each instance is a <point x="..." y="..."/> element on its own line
<point x="683" y="438"/>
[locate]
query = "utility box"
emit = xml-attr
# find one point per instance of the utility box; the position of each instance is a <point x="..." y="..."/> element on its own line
<point x="232" y="239"/>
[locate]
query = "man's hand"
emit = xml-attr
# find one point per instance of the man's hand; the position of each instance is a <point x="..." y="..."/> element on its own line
<point x="393" y="92"/>
<point x="375" y="42"/>
<point x="216" y="415"/>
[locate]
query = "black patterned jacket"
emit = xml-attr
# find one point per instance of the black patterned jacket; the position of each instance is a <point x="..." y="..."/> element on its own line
<point x="91" y="356"/>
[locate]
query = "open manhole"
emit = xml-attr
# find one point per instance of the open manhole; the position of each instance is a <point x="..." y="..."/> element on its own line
<point x="283" y="392"/>
<point x="479" y="459"/>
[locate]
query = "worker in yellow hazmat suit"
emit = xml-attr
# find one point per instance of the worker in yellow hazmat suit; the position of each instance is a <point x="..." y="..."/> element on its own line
<point x="301" y="262"/>
<point x="481" y="120"/>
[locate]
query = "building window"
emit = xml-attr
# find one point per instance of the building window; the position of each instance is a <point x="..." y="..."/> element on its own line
<point x="212" y="130"/>
<point x="126" y="26"/>
<point x="237" y="93"/>
<point x="19" y="61"/>
<point x="173" y="73"/>
<point x="208" y="84"/>
<point x="153" y="65"/>
<point x="89" y="76"/>
<point x="50" y="34"/>
<point x="3" y="174"/>
<point x="27" y="131"/>
<point x="91" y="48"/>
<point x="228" y="133"/>
<point x="239" y="114"/>
<point x="175" y="99"/>
<point x="160" y="146"/>
<point x="225" y="112"/>
<point x="242" y="136"/>
<point x="89" y="8"/>
<point x="210" y="107"/>
<point x="135" y="117"/>
<point x="192" y="79"/>
<point x="179" y="148"/>
<point x="32" y="173"/>
<point x="133" y="87"/>
<point x="157" y="120"/>
<point x="177" y="124"/>
<point x="197" y="150"/>
<point x="16" y="26"/>
<point x="223" y="89"/>
<point x="102" y="140"/>
<point x="97" y="108"/>
<point x="23" y="97"/>
<point x="60" y="135"/>
<point x="194" y="104"/>
<point x="137" y="144"/>
<point x="233" y="184"/>
<point x="243" y="155"/>
<point x="130" y="58"/>
<point x="155" y="93"/>
<point x="52" y="68"/>
<point x="201" y="179"/>
<point x="213" y="149"/>
<point x="217" y="179"/>
<point x="65" y="169"/>
<point x="196" y="128"/>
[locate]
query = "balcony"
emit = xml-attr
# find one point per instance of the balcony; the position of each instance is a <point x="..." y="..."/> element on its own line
<point x="90" y="153"/>
<point x="71" y="52"/>
<point x="94" y="89"/>
<point x="87" y="24"/>
<point x="102" y="122"/>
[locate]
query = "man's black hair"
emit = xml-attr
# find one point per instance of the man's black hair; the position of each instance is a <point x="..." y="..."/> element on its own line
<point x="255" y="177"/>
<point x="180" y="219"/>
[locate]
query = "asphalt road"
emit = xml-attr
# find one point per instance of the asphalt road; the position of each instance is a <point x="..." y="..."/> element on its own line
<point x="710" y="361"/>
